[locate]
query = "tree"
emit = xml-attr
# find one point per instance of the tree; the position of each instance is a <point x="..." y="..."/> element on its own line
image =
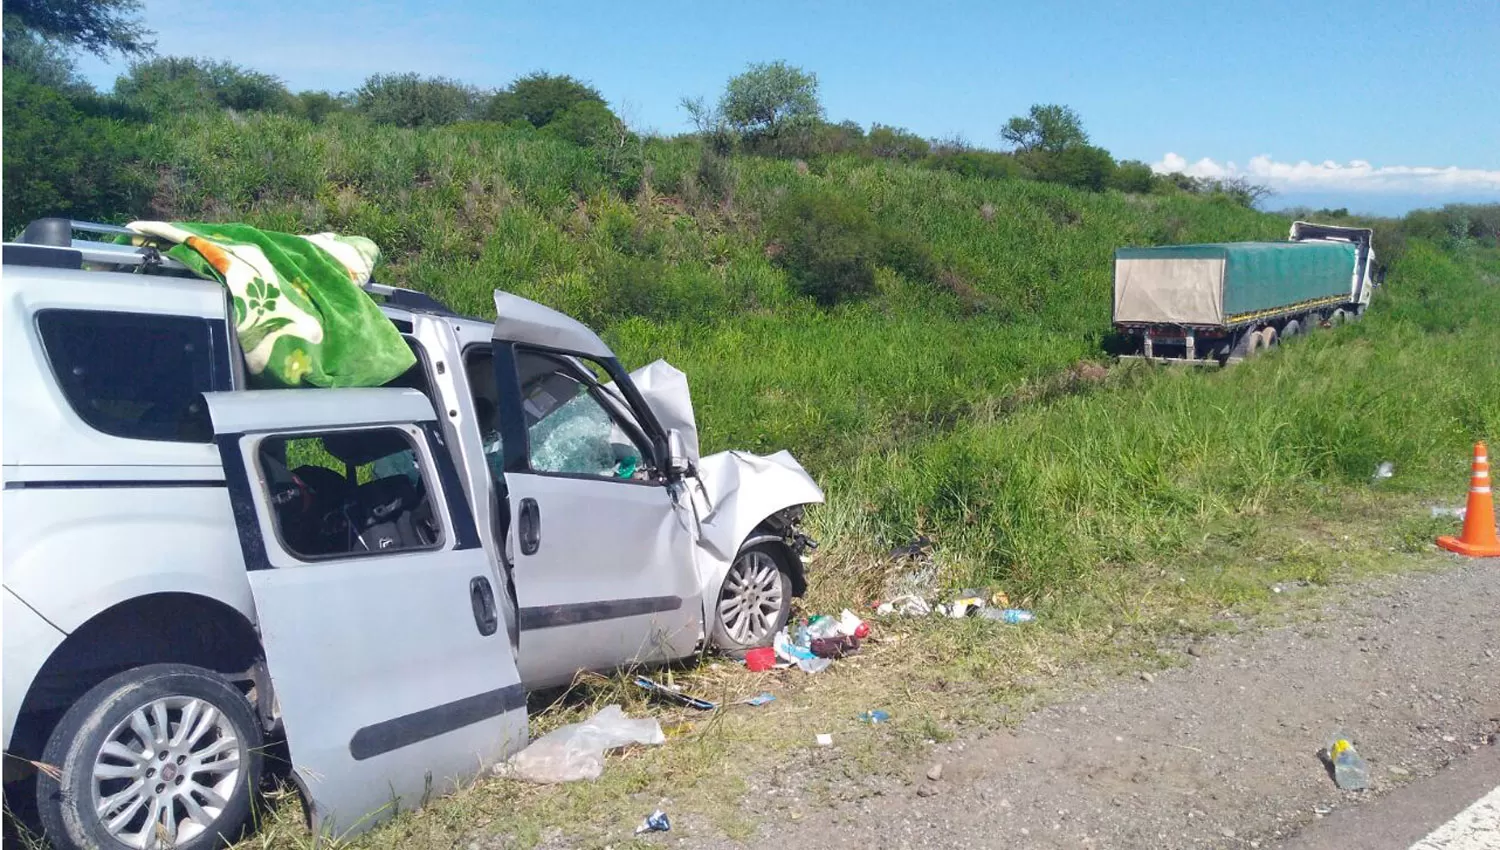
<point x="769" y="97"/>
<point x="540" y="98"/>
<point x="1046" y="127"/>
<point x="412" y="100"/>
<point x="181" y="84"/>
<point x="60" y="160"/>
<point x="99" y="26"/>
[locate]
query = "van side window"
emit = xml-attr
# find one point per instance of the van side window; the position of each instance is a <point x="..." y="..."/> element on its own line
<point x="133" y="375"/>
<point x="349" y="493"/>
<point x="569" y="427"/>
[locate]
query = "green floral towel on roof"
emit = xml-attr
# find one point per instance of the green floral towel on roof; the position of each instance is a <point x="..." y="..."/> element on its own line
<point x="302" y="315"/>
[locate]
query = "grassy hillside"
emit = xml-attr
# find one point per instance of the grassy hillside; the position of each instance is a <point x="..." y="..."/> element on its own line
<point x="940" y="405"/>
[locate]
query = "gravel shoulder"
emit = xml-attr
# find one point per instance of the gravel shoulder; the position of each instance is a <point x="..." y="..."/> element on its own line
<point x="1220" y="752"/>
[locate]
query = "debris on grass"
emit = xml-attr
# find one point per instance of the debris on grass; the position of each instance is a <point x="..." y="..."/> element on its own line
<point x="674" y="694"/>
<point x="576" y="751"/>
<point x="657" y="821"/>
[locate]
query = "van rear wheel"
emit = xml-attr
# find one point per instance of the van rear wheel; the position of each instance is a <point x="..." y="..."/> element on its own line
<point x="164" y="755"/>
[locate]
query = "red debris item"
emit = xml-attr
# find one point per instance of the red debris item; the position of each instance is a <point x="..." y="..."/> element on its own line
<point x="863" y="631"/>
<point x="760" y="659"/>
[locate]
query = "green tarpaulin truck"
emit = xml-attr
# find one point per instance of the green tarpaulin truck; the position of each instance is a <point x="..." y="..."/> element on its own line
<point x="1220" y="303"/>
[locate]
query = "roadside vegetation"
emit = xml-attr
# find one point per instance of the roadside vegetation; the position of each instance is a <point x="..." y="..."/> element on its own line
<point x="921" y="322"/>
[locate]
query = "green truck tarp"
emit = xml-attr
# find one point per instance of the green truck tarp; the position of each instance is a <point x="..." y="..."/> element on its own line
<point x="1221" y="284"/>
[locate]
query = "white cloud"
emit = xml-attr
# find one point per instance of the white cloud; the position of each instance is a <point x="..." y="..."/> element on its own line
<point x="1356" y="175"/>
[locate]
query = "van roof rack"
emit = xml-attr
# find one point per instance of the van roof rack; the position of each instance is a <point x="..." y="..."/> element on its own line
<point x="51" y="234"/>
<point x="409" y="299"/>
<point x="57" y="233"/>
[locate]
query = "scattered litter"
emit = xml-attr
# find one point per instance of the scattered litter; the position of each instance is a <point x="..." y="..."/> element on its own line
<point x="1350" y="772"/>
<point x="576" y="751"/>
<point x="760" y="699"/>
<point x="1445" y="513"/>
<point x="673" y="694"/>
<point x="909" y="605"/>
<point x="655" y="822"/>
<point x="1385" y="470"/>
<point x="1013" y="616"/>
<point x="999" y="599"/>
<point x="852" y="626"/>
<point x="760" y="659"/>
<point x="915" y="549"/>
<point x="873" y="717"/>
<point x="960" y="607"/>
<point x="824" y="739"/>
<point x="1291" y="586"/>
<point x="835" y="647"/>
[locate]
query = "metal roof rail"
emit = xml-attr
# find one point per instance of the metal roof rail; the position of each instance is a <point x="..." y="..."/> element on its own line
<point x="58" y="233"/>
<point x="409" y="299"/>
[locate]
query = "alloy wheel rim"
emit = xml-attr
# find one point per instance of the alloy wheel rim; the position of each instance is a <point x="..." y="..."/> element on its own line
<point x="750" y="602"/>
<point x="165" y="773"/>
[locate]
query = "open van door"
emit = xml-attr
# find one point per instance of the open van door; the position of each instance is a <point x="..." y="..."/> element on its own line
<point x="388" y="653"/>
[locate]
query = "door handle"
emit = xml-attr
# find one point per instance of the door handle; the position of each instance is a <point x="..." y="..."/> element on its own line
<point x="531" y="527"/>
<point x="482" y="597"/>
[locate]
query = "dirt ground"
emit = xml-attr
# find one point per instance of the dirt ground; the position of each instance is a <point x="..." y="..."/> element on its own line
<point x="1219" y="752"/>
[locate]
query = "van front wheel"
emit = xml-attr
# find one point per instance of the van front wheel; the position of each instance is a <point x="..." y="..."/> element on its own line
<point x="164" y="755"/>
<point x="754" y="600"/>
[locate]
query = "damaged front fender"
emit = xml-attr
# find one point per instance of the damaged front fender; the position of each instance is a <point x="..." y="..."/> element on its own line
<point x="738" y="494"/>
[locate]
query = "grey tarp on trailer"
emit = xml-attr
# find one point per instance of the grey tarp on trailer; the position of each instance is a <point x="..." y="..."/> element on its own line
<point x="1184" y="288"/>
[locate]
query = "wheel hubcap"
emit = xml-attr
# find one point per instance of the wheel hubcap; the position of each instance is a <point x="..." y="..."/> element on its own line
<point x="166" y="772"/>
<point x="750" y="602"/>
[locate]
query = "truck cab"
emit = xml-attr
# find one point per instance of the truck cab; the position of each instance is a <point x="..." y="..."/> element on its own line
<point x="378" y="575"/>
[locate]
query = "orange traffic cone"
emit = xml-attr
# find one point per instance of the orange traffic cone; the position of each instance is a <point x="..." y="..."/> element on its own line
<point x="1478" y="539"/>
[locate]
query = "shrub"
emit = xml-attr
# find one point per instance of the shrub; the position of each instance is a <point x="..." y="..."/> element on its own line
<point x="175" y="84"/>
<point x="540" y="98"/>
<point x="1079" y="166"/>
<point x="59" y="160"/>
<point x="825" y="241"/>
<point x="317" y="105"/>
<point x="1133" y="176"/>
<point x="587" y="123"/>
<point x="412" y="100"/>
<point x="984" y="164"/>
<point x="897" y="143"/>
<point x="1046" y="127"/>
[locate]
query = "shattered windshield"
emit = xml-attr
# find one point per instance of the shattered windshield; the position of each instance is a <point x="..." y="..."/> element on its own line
<point x="569" y="430"/>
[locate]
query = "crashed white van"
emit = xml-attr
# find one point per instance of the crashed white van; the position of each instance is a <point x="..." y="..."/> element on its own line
<point x="378" y="575"/>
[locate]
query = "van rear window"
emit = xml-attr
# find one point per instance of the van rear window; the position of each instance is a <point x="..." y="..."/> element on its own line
<point x="134" y="375"/>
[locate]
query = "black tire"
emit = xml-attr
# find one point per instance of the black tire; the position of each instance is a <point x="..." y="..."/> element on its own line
<point x="67" y="803"/>
<point x="765" y="616"/>
<point x="1269" y="338"/>
<point x="1338" y="318"/>
<point x="1291" y="330"/>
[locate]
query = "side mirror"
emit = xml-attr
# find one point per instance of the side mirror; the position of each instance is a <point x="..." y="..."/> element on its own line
<point x="677" y="459"/>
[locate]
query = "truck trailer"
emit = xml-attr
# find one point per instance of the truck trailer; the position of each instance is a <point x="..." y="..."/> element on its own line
<point x="1222" y="302"/>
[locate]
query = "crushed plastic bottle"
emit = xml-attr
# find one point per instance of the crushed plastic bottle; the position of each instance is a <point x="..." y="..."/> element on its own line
<point x="1385" y="470"/>
<point x="1350" y="772"/>
<point x="1012" y="616"/>
<point x="657" y="821"/>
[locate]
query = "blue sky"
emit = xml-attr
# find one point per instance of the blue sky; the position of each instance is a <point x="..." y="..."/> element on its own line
<point x="1378" y="105"/>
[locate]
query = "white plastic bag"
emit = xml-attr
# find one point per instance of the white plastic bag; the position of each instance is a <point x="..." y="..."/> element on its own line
<point x="576" y="751"/>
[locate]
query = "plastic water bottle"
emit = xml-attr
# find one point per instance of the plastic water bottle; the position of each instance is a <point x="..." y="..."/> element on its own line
<point x="1350" y="772"/>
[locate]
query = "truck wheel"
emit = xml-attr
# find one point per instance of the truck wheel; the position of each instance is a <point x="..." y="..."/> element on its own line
<point x="1338" y="318"/>
<point x="1292" y="329"/>
<point x="1269" y="338"/>
<point x="754" y="601"/>
<point x="165" y="755"/>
